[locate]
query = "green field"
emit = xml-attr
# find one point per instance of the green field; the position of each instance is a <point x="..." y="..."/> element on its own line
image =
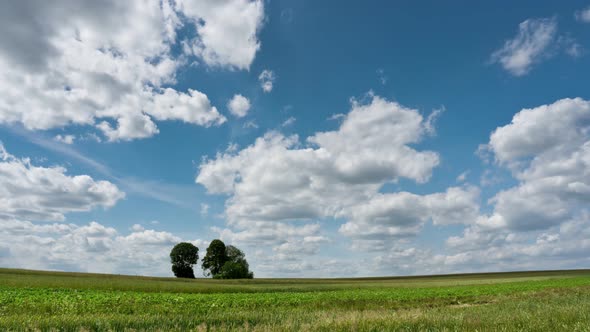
<point x="529" y="301"/>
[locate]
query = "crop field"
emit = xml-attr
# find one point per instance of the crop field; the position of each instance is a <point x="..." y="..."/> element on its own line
<point x="520" y="301"/>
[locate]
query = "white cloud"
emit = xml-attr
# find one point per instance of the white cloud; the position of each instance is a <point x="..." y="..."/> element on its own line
<point x="430" y="124"/>
<point x="403" y="214"/>
<point x="192" y="107"/>
<point x="308" y="245"/>
<point x="250" y="125"/>
<point x="381" y="76"/>
<point x="109" y="64"/>
<point x="532" y="132"/>
<point x="280" y="187"/>
<point x="530" y="46"/>
<point x="204" y="209"/>
<point x="575" y="50"/>
<point x="547" y="149"/>
<point x="279" y="179"/>
<point x="90" y="137"/>
<point x="151" y="237"/>
<point x="284" y="241"/>
<point x="137" y="228"/>
<point x="267" y="79"/>
<point x="481" y="249"/>
<point x="66" y="139"/>
<point x="89" y="248"/>
<point x="337" y="116"/>
<point x="47" y="193"/>
<point x="291" y="120"/>
<point x="268" y="233"/>
<point x="239" y="106"/>
<point x="561" y="246"/>
<point x="227" y="30"/>
<point x="132" y="126"/>
<point x="583" y="15"/>
<point x="463" y="176"/>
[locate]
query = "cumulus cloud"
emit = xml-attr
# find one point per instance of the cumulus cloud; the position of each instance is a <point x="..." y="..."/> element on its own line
<point x="268" y="233"/>
<point x="192" y="107"/>
<point x="288" y="242"/>
<point x="532" y="132"/>
<point x="561" y="246"/>
<point x="280" y="179"/>
<point x="530" y="46"/>
<point x="88" y="248"/>
<point x="47" y="193"/>
<point x="226" y="30"/>
<point x="239" y="106"/>
<point x="132" y="126"/>
<point x="402" y="214"/>
<point x="281" y="186"/>
<point x="267" y="79"/>
<point x="66" y="139"/>
<point x="109" y="64"/>
<point x="481" y="249"/>
<point x="547" y="149"/>
<point x="370" y="147"/>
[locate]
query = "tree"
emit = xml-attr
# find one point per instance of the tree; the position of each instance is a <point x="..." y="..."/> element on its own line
<point x="235" y="270"/>
<point x="183" y="256"/>
<point x="236" y="266"/>
<point x="234" y="254"/>
<point x="214" y="258"/>
<point x="183" y="271"/>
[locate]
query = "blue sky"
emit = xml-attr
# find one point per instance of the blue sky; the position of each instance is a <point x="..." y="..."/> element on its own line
<point x="325" y="139"/>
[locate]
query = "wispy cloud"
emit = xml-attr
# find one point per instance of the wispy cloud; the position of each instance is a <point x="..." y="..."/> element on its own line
<point x="430" y="124"/>
<point x="160" y="191"/>
<point x="381" y="76"/>
<point x="291" y="120"/>
<point x="531" y="45"/>
<point x="583" y="15"/>
<point x="267" y="79"/>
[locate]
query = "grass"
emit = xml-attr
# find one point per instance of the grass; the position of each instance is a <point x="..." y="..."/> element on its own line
<point x="519" y="301"/>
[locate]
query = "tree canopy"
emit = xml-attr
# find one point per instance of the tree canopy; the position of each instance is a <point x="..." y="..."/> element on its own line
<point x="235" y="270"/>
<point x="225" y="262"/>
<point x="214" y="258"/>
<point x="183" y="256"/>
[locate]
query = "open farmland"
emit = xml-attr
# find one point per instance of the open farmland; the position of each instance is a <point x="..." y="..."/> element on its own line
<point x="540" y="301"/>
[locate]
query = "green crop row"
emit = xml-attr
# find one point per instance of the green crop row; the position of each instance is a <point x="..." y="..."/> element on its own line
<point x="546" y="304"/>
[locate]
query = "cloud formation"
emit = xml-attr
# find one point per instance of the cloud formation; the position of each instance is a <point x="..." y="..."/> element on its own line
<point x="34" y="202"/>
<point x="88" y="248"/>
<point x="239" y="106"/>
<point x="530" y="46"/>
<point x="280" y="183"/>
<point x="47" y="193"/>
<point x="385" y="217"/>
<point x="282" y="189"/>
<point x="547" y="149"/>
<point x="226" y="30"/>
<point x="66" y="139"/>
<point x="267" y="79"/>
<point x="110" y="64"/>
<point x="583" y="15"/>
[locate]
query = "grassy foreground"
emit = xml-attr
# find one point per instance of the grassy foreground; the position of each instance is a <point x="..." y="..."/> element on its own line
<point x="523" y="301"/>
